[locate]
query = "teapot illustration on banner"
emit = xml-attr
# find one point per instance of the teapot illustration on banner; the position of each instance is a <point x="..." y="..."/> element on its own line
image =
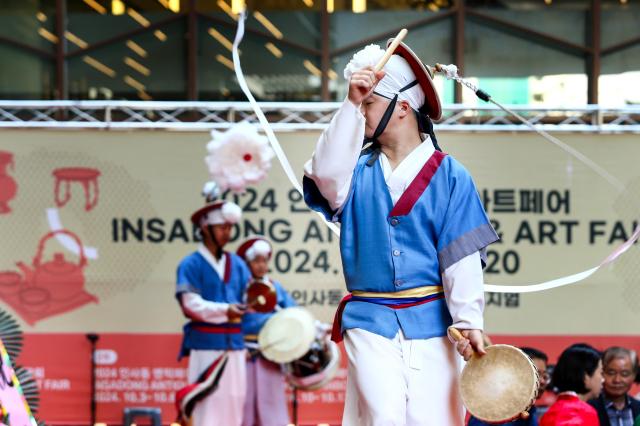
<point x="63" y="279"/>
<point x="47" y="287"/>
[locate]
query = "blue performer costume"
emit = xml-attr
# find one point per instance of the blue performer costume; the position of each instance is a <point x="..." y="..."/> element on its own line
<point x="413" y="240"/>
<point x="266" y="402"/>
<point x="209" y="287"/>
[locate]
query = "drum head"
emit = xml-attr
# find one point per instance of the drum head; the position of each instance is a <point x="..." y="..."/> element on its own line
<point x="287" y="335"/>
<point x="262" y="296"/>
<point x="500" y="385"/>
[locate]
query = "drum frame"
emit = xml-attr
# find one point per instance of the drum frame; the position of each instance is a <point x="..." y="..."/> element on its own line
<point x="326" y="371"/>
<point x="514" y="353"/>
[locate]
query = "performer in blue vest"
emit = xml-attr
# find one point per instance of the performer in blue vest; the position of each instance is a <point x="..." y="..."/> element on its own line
<point x="266" y="401"/>
<point x="413" y="243"/>
<point x="210" y="288"/>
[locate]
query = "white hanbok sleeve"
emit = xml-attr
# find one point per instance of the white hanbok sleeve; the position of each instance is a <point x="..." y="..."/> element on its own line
<point x="336" y="155"/>
<point x="464" y="292"/>
<point x="197" y="308"/>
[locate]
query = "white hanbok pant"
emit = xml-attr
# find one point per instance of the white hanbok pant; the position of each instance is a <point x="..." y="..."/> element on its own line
<point x="224" y="406"/>
<point x="266" y="402"/>
<point x="400" y="382"/>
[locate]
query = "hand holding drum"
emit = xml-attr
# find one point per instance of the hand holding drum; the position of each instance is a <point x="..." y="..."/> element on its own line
<point x="499" y="386"/>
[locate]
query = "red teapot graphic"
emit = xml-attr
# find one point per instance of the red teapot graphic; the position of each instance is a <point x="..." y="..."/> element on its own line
<point x="10" y="282"/>
<point x="47" y="287"/>
<point x="62" y="278"/>
<point x="8" y="186"/>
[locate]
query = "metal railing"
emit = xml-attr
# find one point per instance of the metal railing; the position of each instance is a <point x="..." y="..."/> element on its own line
<point x="296" y="116"/>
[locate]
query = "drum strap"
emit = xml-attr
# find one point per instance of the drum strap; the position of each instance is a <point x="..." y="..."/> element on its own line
<point x="394" y="300"/>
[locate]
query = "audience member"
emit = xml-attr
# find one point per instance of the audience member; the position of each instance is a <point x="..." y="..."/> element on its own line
<point x="577" y="378"/>
<point x="615" y="406"/>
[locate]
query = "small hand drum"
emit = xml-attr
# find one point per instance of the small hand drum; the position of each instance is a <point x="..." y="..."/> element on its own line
<point x="287" y="335"/>
<point x="500" y="386"/>
<point x="262" y="296"/>
<point x="317" y="367"/>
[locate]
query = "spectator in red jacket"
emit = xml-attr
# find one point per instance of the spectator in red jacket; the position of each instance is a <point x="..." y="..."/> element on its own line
<point x="577" y="378"/>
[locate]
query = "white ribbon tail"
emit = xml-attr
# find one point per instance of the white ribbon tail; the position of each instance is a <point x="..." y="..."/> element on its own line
<point x="566" y="148"/>
<point x="275" y="145"/>
<point x="570" y="279"/>
<point x="451" y="72"/>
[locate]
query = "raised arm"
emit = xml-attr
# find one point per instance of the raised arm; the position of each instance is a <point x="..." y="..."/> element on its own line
<point x="338" y="148"/>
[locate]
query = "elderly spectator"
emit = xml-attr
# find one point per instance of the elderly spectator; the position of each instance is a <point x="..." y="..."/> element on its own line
<point x="615" y="406"/>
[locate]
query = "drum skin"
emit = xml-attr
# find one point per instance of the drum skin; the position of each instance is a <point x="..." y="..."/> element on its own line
<point x="262" y="296"/>
<point x="287" y="335"/>
<point x="499" y="386"/>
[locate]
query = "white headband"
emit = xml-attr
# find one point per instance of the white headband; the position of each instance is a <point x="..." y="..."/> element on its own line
<point x="228" y="213"/>
<point x="259" y="248"/>
<point x="398" y="75"/>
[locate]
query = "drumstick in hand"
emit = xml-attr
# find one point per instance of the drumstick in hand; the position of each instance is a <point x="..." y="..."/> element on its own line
<point x="260" y="300"/>
<point x="392" y="48"/>
<point x="470" y="344"/>
<point x="458" y="337"/>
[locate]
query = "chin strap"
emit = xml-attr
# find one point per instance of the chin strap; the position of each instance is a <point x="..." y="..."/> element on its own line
<point x="218" y="253"/>
<point x="424" y="125"/>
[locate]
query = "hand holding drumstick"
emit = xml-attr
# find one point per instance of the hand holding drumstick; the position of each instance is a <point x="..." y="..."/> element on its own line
<point x="363" y="82"/>
<point x="237" y="310"/>
<point x="468" y="342"/>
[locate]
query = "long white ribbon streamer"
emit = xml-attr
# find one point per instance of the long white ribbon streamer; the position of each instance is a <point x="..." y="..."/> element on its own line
<point x="451" y="73"/>
<point x="275" y="145"/>
<point x="523" y="288"/>
<point x="570" y="279"/>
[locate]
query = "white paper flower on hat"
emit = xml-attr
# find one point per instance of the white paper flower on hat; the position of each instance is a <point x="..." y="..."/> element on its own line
<point x="231" y="212"/>
<point x="238" y="157"/>
<point x="367" y="57"/>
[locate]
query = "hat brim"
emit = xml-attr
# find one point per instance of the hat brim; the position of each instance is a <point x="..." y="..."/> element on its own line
<point x="432" y="106"/>
<point x="246" y="244"/>
<point x="198" y="214"/>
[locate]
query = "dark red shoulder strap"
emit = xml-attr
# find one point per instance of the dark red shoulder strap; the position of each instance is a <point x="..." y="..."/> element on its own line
<point x="227" y="268"/>
<point x="418" y="185"/>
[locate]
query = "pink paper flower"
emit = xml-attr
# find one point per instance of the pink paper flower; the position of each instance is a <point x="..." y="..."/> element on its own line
<point x="238" y="157"/>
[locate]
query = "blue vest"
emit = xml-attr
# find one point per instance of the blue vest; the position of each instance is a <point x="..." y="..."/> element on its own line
<point x="437" y="221"/>
<point x="252" y="322"/>
<point x="196" y="275"/>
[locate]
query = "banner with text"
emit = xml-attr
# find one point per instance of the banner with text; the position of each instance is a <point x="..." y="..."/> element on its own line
<point x="94" y="223"/>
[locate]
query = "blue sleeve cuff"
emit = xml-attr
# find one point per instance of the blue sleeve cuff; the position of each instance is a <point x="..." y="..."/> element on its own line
<point x="316" y="201"/>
